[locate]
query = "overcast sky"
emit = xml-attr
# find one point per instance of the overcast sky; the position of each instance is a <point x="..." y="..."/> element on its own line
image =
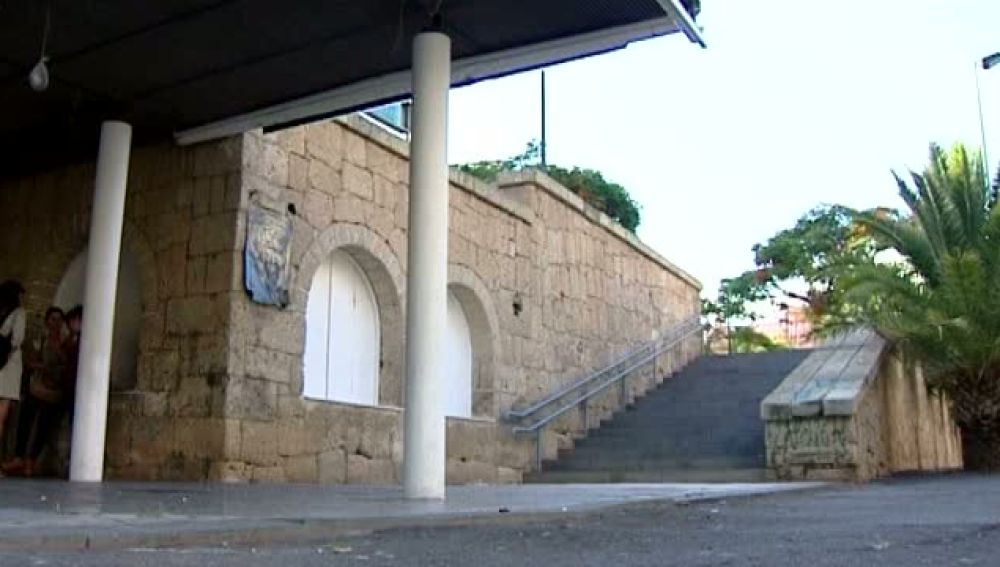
<point x="794" y="103"/>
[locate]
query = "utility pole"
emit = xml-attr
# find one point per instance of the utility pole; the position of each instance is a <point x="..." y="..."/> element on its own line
<point x="544" y="144"/>
<point x="989" y="62"/>
<point x="982" y="123"/>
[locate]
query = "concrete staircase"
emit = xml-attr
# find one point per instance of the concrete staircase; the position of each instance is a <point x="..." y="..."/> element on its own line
<point x="702" y="425"/>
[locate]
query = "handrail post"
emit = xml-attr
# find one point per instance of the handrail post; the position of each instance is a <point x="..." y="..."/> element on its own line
<point x="584" y="416"/>
<point x="622" y="395"/>
<point x="538" y="449"/>
<point x="656" y="376"/>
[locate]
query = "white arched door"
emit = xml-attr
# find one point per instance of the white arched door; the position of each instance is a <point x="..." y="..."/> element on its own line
<point x="128" y="312"/>
<point x="342" y="334"/>
<point x="458" y="362"/>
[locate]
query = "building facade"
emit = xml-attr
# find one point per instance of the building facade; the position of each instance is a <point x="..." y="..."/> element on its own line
<point x="207" y="384"/>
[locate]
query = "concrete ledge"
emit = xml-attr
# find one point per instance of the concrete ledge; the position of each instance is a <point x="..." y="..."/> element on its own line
<point x="853" y="410"/>
<point x="829" y="382"/>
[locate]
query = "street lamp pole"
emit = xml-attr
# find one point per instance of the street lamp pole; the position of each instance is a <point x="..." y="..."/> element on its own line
<point x="982" y="123"/>
<point x="988" y="63"/>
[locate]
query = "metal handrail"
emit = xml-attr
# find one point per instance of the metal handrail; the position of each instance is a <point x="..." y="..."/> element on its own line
<point x="611" y="375"/>
<point x="566" y="389"/>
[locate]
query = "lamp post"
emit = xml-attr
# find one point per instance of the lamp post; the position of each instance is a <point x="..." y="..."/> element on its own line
<point x="991" y="61"/>
<point x="988" y="63"/>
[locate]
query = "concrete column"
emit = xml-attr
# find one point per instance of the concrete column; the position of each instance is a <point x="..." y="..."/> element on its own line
<point x="93" y="375"/>
<point x="427" y="270"/>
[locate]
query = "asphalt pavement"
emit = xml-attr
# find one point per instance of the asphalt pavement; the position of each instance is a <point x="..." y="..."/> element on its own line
<point x="937" y="520"/>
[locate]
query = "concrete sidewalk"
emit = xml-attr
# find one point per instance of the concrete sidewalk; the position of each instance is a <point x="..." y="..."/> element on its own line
<point x="62" y="515"/>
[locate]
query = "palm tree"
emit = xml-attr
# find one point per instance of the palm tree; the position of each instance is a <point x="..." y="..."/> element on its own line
<point x="941" y="303"/>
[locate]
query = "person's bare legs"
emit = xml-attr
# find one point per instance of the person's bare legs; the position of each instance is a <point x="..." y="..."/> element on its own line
<point x="4" y="413"/>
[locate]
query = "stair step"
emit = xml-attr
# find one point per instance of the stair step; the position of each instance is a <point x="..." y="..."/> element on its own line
<point x="700" y="425"/>
<point x="652" y="463"/>
<point x="663" y="475"/>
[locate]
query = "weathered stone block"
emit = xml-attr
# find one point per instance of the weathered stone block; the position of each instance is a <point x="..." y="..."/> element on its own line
<point x="214" y="233"/>
<point x="192" y="398"/>
<point x="268" y="364"/>
<point x="317" y="209"/>
<point x="219" y="273"/>
<point x="259" y="443"/>
<point x="230" y="471"/>
<point x="196" y="275"/>
<point x="301" y="468"/>
<point x="358" y="181"/>
<point x="324" y="178"/>
<point x="362" y="470"/>
<point x="296" y="439"/>
<point x="324" y="141"/>
<point x="248" y="398"/>
<point x="470" y="472"/>
<point x="332" y="467"/>
<point x="192" y="315"/>
<point x="198" y="438"/>
<point x="265" y="159"/>
<point x="469" y="440"/>
<point x="232" y="437"/>
<point x="355" y="150"/>
<point x="298" y="173"/>
<point x="171" y="269"/>
<point x="151" y="442"/>
<point x="271" y="474"/>
<point x="291" y="139"/>
<point x="507" y="475"/>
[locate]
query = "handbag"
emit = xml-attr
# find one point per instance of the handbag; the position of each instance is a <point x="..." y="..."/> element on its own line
<point x="6" y="345"/>
<point x="40" y="390"/>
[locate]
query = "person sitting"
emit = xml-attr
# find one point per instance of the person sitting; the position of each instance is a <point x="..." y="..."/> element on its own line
<point x="41" y="408"/>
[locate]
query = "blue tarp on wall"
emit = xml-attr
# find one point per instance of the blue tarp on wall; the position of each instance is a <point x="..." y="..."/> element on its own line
<point x="267" y="262"/>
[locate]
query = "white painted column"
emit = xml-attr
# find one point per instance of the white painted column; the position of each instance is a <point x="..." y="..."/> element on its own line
<point x="427" y="272"/>
<point x="93" y="375"/>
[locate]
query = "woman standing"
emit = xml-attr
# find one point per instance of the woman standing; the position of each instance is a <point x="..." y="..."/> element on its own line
<point x="42" y="406"/>
<point x="12" y="321"/>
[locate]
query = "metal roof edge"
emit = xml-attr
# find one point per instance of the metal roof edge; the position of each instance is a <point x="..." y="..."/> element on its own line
<point x="396" y="86"/>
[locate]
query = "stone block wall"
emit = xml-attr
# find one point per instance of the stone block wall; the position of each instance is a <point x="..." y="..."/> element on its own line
<point x="891" y="423"/>
<point x="552" y="289"/>
<point x="180" y="231"/>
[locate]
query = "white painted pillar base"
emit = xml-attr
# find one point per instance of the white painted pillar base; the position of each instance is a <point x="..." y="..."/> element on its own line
<point x="427" y="271"/>
<point x="93" y="375"/>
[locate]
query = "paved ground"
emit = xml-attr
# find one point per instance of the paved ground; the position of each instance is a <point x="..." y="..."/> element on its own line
<point x="948" y="520"/>
<point x="37" y="514"/>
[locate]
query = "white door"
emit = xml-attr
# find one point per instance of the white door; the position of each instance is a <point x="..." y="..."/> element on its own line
<point x="457" y="392"/>
<point x="316" y="359"/>
<point x="342" y="334"/>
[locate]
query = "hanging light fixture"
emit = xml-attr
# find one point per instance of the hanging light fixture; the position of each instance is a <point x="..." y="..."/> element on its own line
<point x="38" y="78"/>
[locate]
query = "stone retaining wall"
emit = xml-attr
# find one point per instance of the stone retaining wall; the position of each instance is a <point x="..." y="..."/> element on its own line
<point x="551" y="288"/>
<point x="853" y="410"/>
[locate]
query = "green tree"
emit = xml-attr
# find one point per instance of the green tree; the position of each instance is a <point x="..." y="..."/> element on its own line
<point x="941" y="302"/>
<point x="610" y="198"/>
<point x="814" y="252"/>
<point x="733" y="304"/>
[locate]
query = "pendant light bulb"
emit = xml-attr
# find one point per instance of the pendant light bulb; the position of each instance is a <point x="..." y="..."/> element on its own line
<point x="38" y="78"/>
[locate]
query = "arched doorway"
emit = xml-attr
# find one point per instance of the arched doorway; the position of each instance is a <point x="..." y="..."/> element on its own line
<point x="128" y="312"/>
<point x="341" y="361"/>
<point x="457" y="391"/>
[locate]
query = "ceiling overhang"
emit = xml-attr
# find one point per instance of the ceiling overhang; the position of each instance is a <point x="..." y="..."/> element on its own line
<point x="196" y="70"/>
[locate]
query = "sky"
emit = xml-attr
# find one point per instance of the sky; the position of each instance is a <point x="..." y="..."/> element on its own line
<point x="795" y="103"/>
